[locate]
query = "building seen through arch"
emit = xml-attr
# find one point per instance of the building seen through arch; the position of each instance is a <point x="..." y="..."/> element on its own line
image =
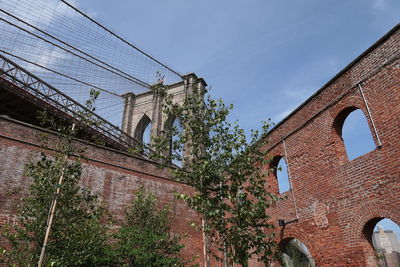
<point x="386" y="244"/>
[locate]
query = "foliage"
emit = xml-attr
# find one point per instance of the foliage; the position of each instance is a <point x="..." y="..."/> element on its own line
<point x="227" y="174"/>
<point x="78" y="236"/>
<point x="145" y="239"/>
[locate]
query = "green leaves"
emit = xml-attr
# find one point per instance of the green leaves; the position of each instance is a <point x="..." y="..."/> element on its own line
<point x="225" y="168"/>
<point x="145" y="239"/>
<point x="78" y="234"/>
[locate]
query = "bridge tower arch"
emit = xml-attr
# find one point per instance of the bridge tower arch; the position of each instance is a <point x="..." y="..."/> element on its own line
<point x="150" y="104"/>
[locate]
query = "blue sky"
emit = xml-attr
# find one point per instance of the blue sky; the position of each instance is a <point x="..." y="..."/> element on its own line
<point x="266" y="57"/>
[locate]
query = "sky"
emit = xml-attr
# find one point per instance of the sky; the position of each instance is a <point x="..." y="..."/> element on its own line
<point x="264" y="56"/>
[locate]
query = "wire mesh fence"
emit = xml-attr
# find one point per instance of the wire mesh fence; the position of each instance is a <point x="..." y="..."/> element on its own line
<point x="68" y="49"/>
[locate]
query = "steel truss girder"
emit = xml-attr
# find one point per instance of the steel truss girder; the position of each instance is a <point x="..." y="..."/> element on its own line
<point x="40" y="89"/>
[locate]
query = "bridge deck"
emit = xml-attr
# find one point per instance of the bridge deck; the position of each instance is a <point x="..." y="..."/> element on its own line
<point x="22" y="89"/>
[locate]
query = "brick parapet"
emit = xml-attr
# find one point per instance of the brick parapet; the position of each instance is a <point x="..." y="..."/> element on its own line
<point x="113" y="175"/>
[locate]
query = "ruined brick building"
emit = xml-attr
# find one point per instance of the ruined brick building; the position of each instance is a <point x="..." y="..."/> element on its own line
<point x="337" y="202"/>
<point x="334" y="203"/>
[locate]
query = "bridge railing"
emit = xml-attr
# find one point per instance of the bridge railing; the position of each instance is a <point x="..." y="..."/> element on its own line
<point x="40" y="89"/>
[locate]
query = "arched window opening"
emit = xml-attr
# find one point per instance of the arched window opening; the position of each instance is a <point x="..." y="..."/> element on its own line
<point x="175" y="139"/>
<point x="173" y="128"/>
<point x="282" y="175"/>
<point x="147" y="134"/>
<point x="296" y="254"/>
<point x="383" y="235"/>
<point x="142" y="131"/>
<point x="354" y="130"/>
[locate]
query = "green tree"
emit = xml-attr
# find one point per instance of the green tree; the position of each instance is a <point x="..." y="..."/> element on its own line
<point x="227" y="172"/>
<point x="77" y="237"/>
<point x="145" y="240"/>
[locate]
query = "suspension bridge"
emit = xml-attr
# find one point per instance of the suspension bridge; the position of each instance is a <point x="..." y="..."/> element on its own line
<point x="53" y="55"/>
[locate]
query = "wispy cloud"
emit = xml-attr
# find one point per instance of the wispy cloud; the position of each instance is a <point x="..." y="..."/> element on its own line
<point x="292" y="97"/>
<point x="46" y="14"/>
<point x="302" y="84"/>
<point x="41" y="16"/>
<point x="280" y="116"/>
<point x="44" y="60"/>
<point x="379" y="4"/>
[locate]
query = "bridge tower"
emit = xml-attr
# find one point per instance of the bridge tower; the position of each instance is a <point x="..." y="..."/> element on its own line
<point x="142" y="109"/>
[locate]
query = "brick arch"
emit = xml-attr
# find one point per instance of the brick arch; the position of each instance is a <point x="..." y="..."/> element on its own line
<point x="354" y="100"/>
<point x="297" y="233"/>
<point x="272" y="181"/>
<point x="362" y="223"/>
<point x="273" y="164"/>
<point x="367" y="212"/>
<point x="341" y="110"/>
<point x="338" y="117"/>
<point x="342" y="114"/>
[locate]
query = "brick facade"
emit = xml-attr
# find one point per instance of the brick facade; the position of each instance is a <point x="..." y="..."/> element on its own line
<point x="337" y="202"/>
<point x="113" y="175"/>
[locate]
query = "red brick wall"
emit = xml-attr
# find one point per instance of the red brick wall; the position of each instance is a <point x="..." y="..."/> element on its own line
<point x="113" y="175"/>
<point x="335" y="197"/>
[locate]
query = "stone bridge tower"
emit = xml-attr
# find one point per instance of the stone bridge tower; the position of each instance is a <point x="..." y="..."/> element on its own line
<point x="142" y="109"/>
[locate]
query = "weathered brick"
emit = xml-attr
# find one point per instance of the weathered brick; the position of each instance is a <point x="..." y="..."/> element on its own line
<point x="335" y="197"/>
<point x="113" y="175"/>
